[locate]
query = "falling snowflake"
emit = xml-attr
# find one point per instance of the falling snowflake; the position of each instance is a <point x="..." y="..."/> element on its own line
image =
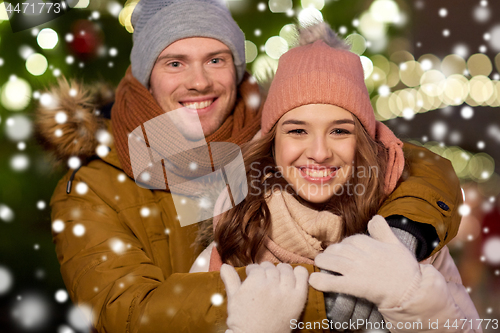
<point x="31" y="312"/>
<point x="58" y="226"/>
<point x="61" y="296"/>
<point x="6" y="280"/>
<point x="78" y="230"/>
<point x="80" y="317"/>
<point x="6" y="214"/>
<point x="481" y="14"/>
<point x="439" y="130"/>
<point x="145" y="212"/>
<point x="464" y="210"/>
<point x="467" y="112"/>
<point x="117" y="245"/>
<point x="82" y="188"/>
<point x="491" y="250"/>
<point x="217" y="299"/>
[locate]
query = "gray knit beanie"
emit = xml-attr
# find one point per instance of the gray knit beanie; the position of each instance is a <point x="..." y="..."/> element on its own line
<point x="159" y="23"/>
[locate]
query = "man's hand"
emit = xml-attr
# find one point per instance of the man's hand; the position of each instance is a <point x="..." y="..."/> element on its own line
<point x="378" y="268"/>
<point x="269" y="298"/>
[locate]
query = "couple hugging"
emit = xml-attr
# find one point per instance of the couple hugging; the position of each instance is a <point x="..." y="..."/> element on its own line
<point x="366" y="246"/>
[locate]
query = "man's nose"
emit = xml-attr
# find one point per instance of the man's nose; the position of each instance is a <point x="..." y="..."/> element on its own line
<point x="319" y="150"/>
<point x="198" y="79"/>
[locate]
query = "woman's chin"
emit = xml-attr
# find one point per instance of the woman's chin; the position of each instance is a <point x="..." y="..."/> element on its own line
<point x="315" y="199"/>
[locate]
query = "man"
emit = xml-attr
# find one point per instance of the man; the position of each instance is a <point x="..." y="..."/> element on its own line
<point x="122" y="249"/>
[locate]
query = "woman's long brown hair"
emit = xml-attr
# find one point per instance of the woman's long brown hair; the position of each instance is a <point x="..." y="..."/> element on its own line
<point x="241" y="231"/>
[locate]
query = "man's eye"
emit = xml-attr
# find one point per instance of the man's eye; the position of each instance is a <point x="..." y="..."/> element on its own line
<point x="174" y="64"/>
<point x="216" y="60"/>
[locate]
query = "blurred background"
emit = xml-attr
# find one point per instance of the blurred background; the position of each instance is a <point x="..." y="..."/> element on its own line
<point x="431" y="66"/>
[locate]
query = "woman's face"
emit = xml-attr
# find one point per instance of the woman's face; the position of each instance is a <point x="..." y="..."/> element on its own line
<point x="314" y="148"/>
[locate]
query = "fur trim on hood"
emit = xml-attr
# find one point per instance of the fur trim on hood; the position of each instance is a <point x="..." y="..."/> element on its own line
<point x="68" y="122"/>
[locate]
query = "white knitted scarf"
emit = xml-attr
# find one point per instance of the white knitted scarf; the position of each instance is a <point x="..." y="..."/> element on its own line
<point x="297" y="231"/>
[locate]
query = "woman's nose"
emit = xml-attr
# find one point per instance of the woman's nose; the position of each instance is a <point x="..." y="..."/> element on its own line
<point x="318" y="150"/>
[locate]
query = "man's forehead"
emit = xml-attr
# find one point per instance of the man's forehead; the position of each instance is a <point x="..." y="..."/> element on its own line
<point x="195" y="46"/>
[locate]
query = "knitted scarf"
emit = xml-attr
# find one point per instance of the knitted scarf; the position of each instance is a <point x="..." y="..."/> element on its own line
<point x="134" y="107"/>
<point x="298" y="233"/>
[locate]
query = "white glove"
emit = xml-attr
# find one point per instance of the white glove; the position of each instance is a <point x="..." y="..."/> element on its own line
<point x="378" y="268"/>
<point x="269" y="298"/>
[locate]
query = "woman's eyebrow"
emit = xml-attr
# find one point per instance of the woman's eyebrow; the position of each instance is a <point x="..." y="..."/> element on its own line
<point x="294" y="122"/>
<point x="343" y="121"/>
<point x="301" y="122"/>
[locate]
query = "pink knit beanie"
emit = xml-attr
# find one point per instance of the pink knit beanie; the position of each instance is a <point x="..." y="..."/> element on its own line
<point x="317" y="73"/>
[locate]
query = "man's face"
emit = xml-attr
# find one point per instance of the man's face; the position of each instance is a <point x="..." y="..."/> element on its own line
<point x="196" y="75"/>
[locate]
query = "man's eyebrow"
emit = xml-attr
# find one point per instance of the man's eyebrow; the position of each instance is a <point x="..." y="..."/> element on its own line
<point x="185" y="56"/>
<point x="172" y="56"/>
<point x="301" y="122"/>
<point x="211" y="54"/>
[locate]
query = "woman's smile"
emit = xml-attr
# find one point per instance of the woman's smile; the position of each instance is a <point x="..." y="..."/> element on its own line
<point x="318" y="174"/>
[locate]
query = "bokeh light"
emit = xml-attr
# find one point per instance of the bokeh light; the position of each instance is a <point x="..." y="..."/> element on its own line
<point x="479" y="64"/>
<point x="19" y="128"/>
<point x="367" y="66"/>
<point x="251" y="51"/>
<point x="19" y="162"/>
<point x="36" y="64"/>
<point x="31" y="312"/>
<point x="491" y="250"/>
<point x="386" y="11"/>
<point x="82" y="4"/>
<point x="357" y="43"/>
<point x="372" y="28"/>
<point x="276" y="46"/>
<point x="6" y="280"/>
<point x="481" y="14"/>
<point x="80" y="317"/>
<point x="289" y="33"/>
<point x="16" y="94"/>
<point x="280" y="6"/>
<point x="126" y="14"/>
<point x="309" y="16"/>
<point x="264" y="67"/>
<point x="6" y="214"/>
<point x="61" y="296"/>
<point x="318" y="4"/>
<point x="47" y="38"/>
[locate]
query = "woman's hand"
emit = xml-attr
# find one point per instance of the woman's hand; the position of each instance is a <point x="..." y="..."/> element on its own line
<point x="269" y="298"/>
<point x="378" y="268"/>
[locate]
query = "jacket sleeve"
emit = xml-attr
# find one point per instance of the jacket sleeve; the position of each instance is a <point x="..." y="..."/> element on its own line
<point x="438" y="300"/>
<point x="108" y="270"/>
<point x="429" y="192"/>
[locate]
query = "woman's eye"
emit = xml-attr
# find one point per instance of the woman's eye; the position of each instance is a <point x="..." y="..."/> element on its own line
<point x="340" y="131"/>
<point x="297" y="131"/>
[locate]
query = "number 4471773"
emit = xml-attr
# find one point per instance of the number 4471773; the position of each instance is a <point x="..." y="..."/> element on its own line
<point x="29" y="8"/>
<point x="464" y="323"/>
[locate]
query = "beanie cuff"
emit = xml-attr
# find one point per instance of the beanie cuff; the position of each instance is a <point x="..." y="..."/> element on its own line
<point x="329" y="88"/>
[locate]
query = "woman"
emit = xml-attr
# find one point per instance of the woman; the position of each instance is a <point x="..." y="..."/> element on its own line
<point x="316" y="177"/>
